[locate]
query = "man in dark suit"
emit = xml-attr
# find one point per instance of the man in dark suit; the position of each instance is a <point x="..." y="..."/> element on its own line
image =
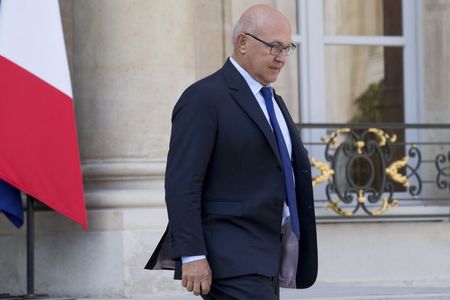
<point x="238" y="179"/>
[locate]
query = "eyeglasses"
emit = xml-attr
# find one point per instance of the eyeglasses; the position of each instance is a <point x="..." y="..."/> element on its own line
<point x="276" y="49"/>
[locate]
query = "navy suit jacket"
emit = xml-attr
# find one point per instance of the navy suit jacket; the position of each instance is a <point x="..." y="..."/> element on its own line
<point x="225" y="190"/>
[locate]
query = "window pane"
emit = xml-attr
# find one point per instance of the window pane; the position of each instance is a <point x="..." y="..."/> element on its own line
<point x="363" y="17"/>
<point x="364" y="84"/>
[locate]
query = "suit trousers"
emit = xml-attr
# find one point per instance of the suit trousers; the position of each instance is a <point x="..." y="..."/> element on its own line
<point x="247" y="287"/>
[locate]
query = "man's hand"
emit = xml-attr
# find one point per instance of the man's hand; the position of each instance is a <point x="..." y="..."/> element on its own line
<point x="197" y="276"/>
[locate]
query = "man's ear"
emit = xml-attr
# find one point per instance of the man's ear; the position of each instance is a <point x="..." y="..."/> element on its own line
<point x="242" y="43"/>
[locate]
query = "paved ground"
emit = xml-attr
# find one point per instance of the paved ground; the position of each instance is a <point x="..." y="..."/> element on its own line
<point x="349" y="292"/>
<point x="330" y="291"/>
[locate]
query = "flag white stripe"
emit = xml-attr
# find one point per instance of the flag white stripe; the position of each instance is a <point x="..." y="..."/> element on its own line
<point x="31" y="36"/>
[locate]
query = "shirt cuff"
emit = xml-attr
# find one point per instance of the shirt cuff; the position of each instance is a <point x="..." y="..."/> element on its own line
<point x="187" y="259"/>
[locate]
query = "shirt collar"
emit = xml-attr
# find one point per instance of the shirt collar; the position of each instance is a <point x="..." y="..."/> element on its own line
<point x="254" y="85"/>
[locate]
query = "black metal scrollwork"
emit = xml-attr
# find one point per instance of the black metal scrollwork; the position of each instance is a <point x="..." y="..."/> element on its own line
<point x="443" y="176"/>
<point x="416" y="188"/>
<point x="362" y="174"/>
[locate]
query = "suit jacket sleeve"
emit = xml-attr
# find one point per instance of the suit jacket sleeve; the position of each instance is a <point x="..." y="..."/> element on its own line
<point x="191" y="146"/>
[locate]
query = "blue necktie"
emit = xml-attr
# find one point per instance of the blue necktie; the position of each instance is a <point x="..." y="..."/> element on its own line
<point x="285" y="161"/>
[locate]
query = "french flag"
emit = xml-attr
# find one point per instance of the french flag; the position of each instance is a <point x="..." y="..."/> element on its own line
<point x="38" y="138"/>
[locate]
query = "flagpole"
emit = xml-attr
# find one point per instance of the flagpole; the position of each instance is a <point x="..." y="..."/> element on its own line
<point x="30" y="257"/>
<point x="30" y="246"/>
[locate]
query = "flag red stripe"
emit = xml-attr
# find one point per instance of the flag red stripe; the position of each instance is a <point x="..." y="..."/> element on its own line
<point x="38" y="142"/>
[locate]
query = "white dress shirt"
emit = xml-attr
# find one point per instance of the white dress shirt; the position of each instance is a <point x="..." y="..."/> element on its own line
<point x="255" y="87"/>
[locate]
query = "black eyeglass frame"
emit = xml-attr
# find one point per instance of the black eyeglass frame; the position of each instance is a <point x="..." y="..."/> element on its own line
<point x="278" y="48"/>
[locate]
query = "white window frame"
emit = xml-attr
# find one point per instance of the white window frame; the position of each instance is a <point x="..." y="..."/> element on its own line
<point x="312" y="40"/>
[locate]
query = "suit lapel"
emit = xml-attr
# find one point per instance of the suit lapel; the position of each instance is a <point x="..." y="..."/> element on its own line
<point x="242" y="94"/>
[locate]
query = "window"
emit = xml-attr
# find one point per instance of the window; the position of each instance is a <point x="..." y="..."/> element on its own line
<point x="350" y="46"/>
<point x="358" y="62"/>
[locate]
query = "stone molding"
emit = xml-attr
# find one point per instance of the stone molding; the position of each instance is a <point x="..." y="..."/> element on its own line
<point x="122" y="183"/>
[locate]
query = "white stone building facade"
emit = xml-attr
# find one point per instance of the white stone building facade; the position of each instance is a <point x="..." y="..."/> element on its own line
<point x="130" y="60"/>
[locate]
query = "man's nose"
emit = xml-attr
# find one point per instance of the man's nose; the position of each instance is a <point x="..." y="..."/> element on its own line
<point x="281" y="57"/>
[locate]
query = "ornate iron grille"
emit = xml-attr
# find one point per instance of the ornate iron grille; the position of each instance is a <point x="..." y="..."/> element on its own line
<point x="363" y="169"/>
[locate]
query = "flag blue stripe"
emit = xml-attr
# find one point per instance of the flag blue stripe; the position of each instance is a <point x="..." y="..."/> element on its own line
<point x="11" y="203"/>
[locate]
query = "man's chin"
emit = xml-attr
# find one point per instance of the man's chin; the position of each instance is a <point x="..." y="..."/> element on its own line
<point x="272" y="79"/>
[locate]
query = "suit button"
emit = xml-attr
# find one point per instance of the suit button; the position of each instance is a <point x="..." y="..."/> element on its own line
<point x="279" y="168"/>
<point x="279" y="203"/>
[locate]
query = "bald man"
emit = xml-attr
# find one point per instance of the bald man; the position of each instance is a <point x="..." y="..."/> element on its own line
<point x="238" y="179"/>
